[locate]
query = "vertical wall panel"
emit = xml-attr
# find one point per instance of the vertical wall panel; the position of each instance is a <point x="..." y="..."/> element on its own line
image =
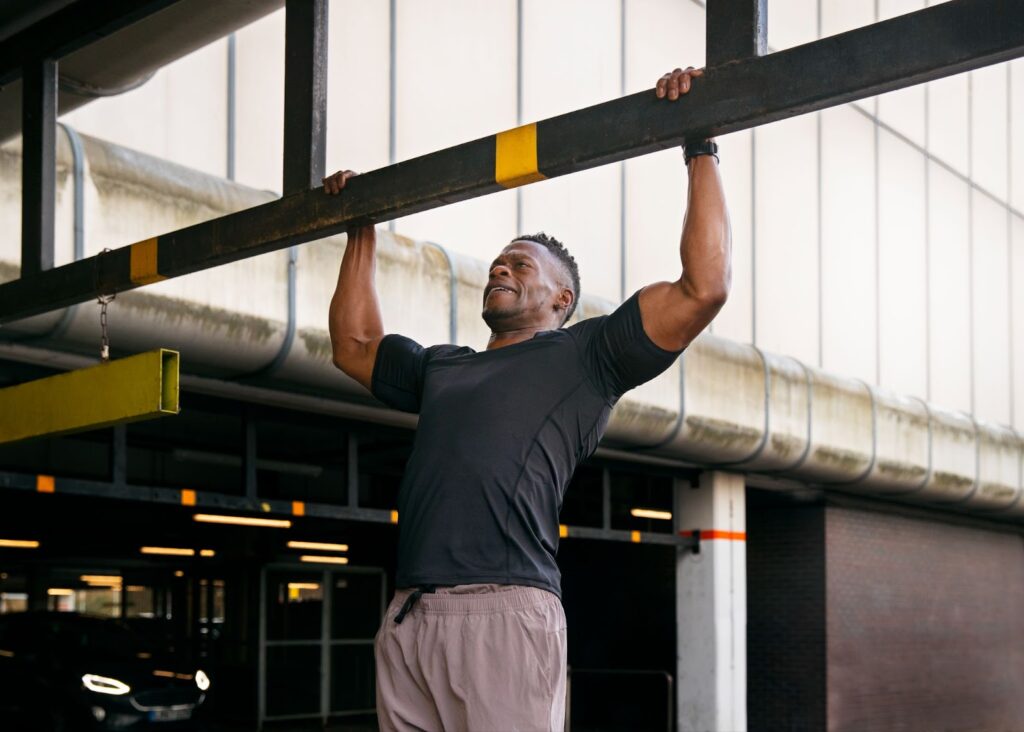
<point x="357" y="85"/>
<point x="1016" y="71"/>
<point x="259" y="103"/>
<point x="735" y="320"/>
<point x="179" y="114"/>
<point x="988" y="128"/>
<point x="655" y="203"/>
<point x="839" y="16"/>
<point x="197" y="111"/>
<point x="949" y="310"/>
<point x="791" y="22"/>
<point x="457" y="82"/>
<point x="848" y="243"/>
<point x="901" y="267"/>
<point x="903" y="110"/>
<point x="947" y="120"/>
<point x="786" y="235"/>
<point x="660" y="36"/>
<point x="568" y="64"/>
<point x="991" y="311"/>
<point x="1017" y="305"/>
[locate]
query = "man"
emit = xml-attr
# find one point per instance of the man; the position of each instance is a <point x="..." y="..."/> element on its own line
<point x="474" y="638"/>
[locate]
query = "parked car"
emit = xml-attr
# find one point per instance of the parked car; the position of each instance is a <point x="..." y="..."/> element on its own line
<point x="65" y="671"/>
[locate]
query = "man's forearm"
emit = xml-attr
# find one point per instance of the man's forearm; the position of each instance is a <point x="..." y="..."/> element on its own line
<point x="355" y="311"/>
<point x="706" y="244"/>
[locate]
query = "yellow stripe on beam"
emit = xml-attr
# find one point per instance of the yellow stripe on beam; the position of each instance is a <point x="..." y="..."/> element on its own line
<point x="118" y="392"/>
<point x="515" y="157"/>
<point x="634" y="536"/>
<point x="144" y="262"/>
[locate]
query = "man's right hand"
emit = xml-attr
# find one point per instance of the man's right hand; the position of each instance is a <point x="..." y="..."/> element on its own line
<point x="334" y="183"/>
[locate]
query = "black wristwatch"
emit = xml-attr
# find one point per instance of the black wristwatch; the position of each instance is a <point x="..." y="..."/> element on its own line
<point x="703" y="147"/>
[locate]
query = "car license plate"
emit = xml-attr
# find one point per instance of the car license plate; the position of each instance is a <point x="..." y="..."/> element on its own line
<point x="169" y="715"/>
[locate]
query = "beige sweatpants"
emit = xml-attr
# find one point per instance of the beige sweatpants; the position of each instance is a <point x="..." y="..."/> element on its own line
<point x="473" y="658"/>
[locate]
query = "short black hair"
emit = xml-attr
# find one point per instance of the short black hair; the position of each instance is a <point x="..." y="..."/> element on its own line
<point x="562" y="254"/>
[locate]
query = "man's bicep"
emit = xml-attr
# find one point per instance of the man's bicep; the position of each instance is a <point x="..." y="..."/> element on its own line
<point x="357" y="359"/>
<point x="672" y="318"/>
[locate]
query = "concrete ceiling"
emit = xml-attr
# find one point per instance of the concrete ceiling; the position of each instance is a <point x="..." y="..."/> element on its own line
<point x="128" y="57"/>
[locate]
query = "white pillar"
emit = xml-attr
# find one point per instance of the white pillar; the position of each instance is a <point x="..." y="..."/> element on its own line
<point x="711" y="606"/>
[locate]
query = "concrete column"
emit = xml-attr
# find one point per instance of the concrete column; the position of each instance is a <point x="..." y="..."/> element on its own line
<point x="711" y="606"/>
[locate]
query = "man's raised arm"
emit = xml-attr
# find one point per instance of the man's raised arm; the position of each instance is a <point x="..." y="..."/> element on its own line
<point x="355" y="322"/>
<point x="674" y="313"/>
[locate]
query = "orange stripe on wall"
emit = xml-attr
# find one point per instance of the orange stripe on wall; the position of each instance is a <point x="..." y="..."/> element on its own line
<point x="708" y="534"/>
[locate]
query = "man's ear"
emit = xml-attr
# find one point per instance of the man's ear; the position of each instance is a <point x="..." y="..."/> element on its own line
<point x="565" y="299"/>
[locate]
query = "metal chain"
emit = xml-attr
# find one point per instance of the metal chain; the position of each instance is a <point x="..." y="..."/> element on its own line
<point x="104" y="301"/>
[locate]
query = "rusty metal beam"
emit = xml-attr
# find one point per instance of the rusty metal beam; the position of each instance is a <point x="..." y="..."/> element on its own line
<point x="305" y="94"/>
<point x="38" y="165"/>
<point x="736" y="29"/>
<point x="942" y="40"/>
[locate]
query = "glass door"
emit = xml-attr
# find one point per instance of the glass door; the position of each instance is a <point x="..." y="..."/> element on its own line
<point x="316" y="642"/>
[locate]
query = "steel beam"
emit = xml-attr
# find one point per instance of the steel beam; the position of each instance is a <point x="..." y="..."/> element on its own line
<point x="76" y="25"/>
<point x="117" y="392"/>
<point x="736" y="29"/>
<point x="279" y="508"/>
<point x="945" y="39"/>
<point x="305" y="94"/>
<point x="39" y="165"/>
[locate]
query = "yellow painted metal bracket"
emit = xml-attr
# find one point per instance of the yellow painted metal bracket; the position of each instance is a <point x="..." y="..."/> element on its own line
<point x="126" y="390"/>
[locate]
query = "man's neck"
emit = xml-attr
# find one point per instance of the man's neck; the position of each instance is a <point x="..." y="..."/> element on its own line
<point x="500" y="339"/>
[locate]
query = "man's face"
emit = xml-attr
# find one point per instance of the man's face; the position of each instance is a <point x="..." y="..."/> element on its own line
<point x="526" y="288"/>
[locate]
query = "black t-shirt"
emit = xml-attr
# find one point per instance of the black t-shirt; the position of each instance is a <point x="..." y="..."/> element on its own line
<point x="500" y="434"/>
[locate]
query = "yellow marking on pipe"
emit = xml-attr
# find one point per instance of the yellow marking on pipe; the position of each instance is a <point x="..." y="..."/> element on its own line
<point x="44" y="483"/>
<point x="515" y="157"/>
<point x="563" y="531"/>
<point x="634" y="536"/>
<point x="298" y="508"/>
<point x="188" y="497"/>
<point x="144" y="262"/>
<point x="394" y="517"/>
<point x="118" y="392"/>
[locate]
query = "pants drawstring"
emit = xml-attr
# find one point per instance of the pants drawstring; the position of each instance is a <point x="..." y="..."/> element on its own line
<point x="411" y="600"/>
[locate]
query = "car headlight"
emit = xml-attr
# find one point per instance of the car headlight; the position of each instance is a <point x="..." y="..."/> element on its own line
<point x="202" y="680"/>
<point x="105" y="685"/>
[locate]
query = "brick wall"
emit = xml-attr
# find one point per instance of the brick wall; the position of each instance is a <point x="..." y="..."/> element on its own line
<point x="925" y="625"/>
<point x="785" y="615"/>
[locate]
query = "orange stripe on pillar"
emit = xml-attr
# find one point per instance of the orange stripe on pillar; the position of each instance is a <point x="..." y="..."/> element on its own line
<point x="708" y="534"/>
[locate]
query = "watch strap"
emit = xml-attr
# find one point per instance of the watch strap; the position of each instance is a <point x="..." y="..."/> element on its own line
<point x="700" y="147"/>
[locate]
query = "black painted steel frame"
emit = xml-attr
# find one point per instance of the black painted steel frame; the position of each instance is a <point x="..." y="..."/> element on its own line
<point x="281" y="508"/>
<point x="736" y="94"/>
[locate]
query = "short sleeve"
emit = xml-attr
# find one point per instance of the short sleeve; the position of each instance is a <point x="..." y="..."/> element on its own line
<point x="617" y="351"/>
<point x="398" y="373"/>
